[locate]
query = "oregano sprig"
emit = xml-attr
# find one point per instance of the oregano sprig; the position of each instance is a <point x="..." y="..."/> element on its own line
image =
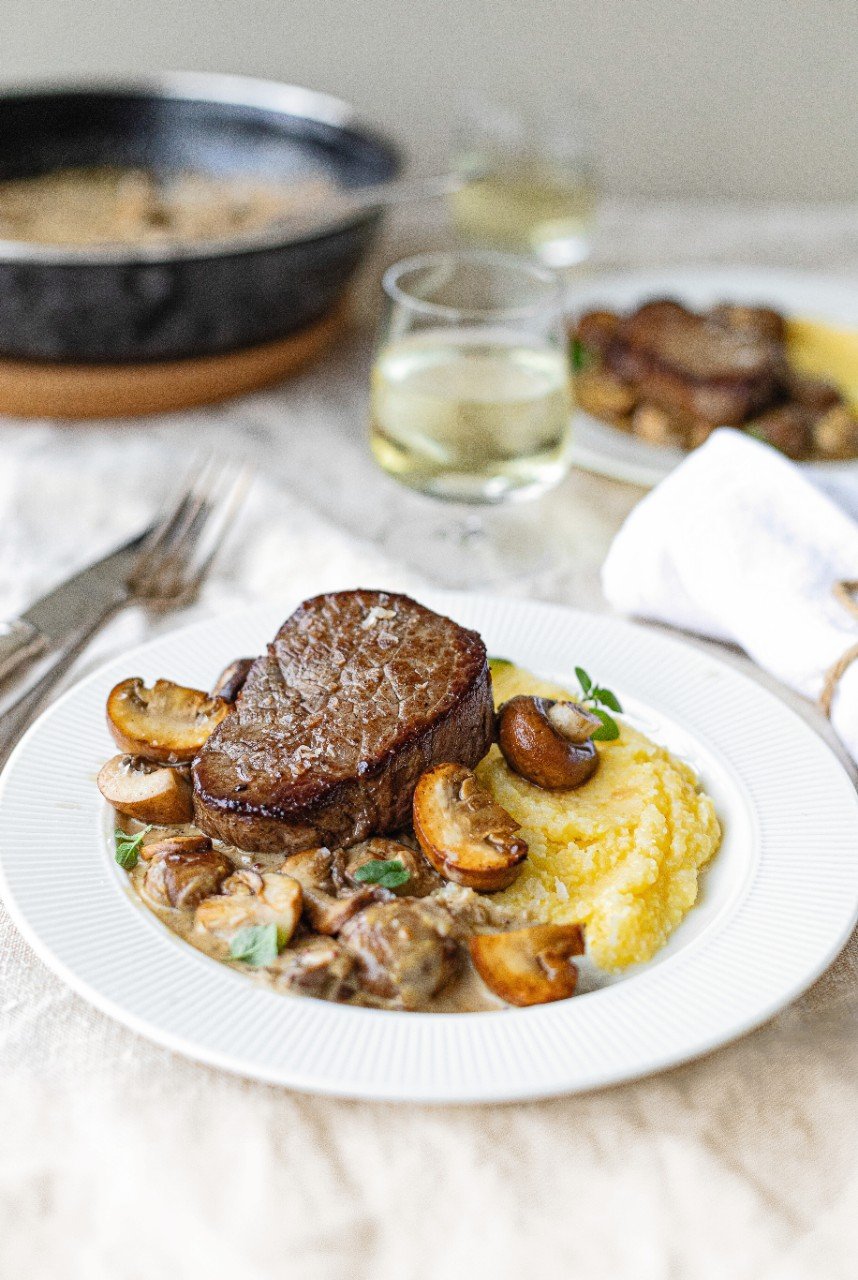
<point x="601" y="702"/>
<point x="389" y="874"/>
<point x="128" y="847"/>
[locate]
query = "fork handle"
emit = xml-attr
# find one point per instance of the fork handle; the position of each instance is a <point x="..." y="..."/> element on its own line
<point x="20" y="714"/>
<point x="20" y="642"/>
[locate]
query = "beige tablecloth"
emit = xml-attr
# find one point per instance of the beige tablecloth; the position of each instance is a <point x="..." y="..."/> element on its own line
<point x="120" y="1160"/>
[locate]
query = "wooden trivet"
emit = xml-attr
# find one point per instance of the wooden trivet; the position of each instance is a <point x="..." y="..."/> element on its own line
<point x="30" y="389"/>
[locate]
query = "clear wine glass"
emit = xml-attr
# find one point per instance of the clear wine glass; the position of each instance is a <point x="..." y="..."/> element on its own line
<point x="470" y="403"/>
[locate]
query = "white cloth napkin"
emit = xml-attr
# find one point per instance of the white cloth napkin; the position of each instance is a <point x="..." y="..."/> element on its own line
<point x="738" y="545"/>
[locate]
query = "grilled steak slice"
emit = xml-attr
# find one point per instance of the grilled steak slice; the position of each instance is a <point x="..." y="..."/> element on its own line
<point x="694" y="365"/>
<point x="358" y="694"/>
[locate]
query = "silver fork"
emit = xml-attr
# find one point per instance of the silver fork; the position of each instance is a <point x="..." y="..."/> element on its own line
<point x="167" y="573"/>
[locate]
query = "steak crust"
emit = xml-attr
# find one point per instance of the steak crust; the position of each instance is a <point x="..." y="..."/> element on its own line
<point x="357" y="695"/>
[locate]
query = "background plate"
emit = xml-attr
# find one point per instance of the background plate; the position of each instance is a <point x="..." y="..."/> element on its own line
<point x="605" y="450"/>
<point x="778" y="903"/>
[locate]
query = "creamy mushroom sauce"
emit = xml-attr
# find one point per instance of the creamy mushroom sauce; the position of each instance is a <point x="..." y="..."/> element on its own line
<point x="465" y="993"/>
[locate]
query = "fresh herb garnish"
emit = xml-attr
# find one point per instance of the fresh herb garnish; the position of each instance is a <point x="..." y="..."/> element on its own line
<point x="128" y="847"/>
<point x="390" y="875"/>
<point x="579" y="355"/>
<point x="601" y="702"/>
<point x="256" y="944"/>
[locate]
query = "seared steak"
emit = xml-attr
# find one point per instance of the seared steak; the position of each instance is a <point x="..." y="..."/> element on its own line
<point x="693" y="365"/>
<point x="358" y="694"/>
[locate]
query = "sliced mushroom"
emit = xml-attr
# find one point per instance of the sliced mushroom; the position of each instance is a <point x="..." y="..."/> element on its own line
<point x="529" y="966"/>
<point x="167" y="723"/>
<point x="464" y="833"/>
<point x="196" y="843"/>
<point x="144" y="791"/>
<point x="230" y="682"/>
<point x="182" y="877"/>
<point x="548" y="742"/>
<point x="277" y="902"/>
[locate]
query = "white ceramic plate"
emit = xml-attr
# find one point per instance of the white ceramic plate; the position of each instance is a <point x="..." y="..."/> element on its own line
<point x="607" y="451"/>
<point x="777" y="903"/>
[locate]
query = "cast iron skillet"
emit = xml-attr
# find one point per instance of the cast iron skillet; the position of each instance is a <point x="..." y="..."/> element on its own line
<point x="152" y="302"/>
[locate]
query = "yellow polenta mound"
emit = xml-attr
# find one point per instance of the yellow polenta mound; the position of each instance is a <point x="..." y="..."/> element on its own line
<point x="623" y="853"/>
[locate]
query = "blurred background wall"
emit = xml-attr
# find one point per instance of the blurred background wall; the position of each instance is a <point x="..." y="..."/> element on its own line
<point x="745" y="99"/>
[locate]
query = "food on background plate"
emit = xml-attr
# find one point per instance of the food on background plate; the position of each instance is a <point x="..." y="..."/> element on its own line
<point x="670" y="376"/>
<point x="112" y="205"/>
<point x="390" y="855"/>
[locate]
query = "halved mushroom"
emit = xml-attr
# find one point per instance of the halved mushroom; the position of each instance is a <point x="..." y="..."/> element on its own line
<point x="548" y="742"/>
<point x="529" y="966"/>
<point x="277" y="902"/>
<point x="144" y="791"/>
<point x="464" y="833"/>
<point x="230" y="682"/>
<point x="181" y="875"/>
<point x="167" y="723"/>
<point x="196" y="843"/>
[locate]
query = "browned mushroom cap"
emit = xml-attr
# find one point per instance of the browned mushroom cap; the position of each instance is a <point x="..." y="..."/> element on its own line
<point x="465" y="835"/>
<point x="529" y="966"/>
<point x="144" y="791"/>
<point x="183" y="870"/>
<point x="166" y="723"/>
<point x="548" y="742"/>
<point x="230" y="682"/>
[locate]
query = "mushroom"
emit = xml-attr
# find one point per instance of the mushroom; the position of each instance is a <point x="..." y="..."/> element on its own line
<point x="230" y="682"/>
<point x="326" y="913"/>
<point x="141" y="790"/>
<point x="548" y="742"/>
<point x="167" y="723"/>
<point x="183" y="870"/>
<point x="320" y="967"/>
<point x="529" y="966"/>
<point x="787" y="428"/>
<point x="277" y="902"/>
<point x="422" y="879"/>
<point x="464" y="833"/>
<point x="406" y="951"/>
<point x="604" y="394"/>
<point x="835" y="434"/>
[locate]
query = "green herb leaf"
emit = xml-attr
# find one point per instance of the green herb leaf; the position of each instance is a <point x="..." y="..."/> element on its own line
<point x="128" y="847"/>
<point x="584" y="680"/>
<point x="579" y="355"/>
<point x="390" y="875"/>
<point x="609" y="731"/>
<point x="607" y="699"/>
<point x="256" y="944"/>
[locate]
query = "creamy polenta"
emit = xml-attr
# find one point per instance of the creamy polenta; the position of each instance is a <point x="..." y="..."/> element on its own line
<point x="622" y="854"/>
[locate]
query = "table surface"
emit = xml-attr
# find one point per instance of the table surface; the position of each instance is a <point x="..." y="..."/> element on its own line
<point x="118" y="1158"/>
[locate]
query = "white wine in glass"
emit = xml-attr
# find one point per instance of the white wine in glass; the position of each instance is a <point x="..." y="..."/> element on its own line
<point x="470" y="386"/>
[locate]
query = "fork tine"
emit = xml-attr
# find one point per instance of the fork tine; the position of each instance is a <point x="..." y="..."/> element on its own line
<point x="167" y="575"/>
<point x="164" y="529"/>
<point x="177" y="532"/>
<point x="232" y="501"/>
